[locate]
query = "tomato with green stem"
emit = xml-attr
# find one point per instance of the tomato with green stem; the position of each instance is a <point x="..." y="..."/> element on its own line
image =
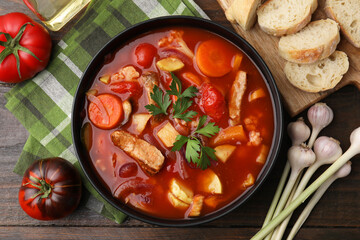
<point x="50" y="189"/>
<point x="25" y="47"/>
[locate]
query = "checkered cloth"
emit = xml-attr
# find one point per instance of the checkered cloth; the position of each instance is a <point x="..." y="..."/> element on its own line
<point x="43" y="105"/>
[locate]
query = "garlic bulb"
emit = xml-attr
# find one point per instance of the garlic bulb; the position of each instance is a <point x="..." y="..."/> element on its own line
<point x="298" y="131"/>
<point x="327" y="150"/>
<point x="300" y="157"/>
<point x="320" y="115"/>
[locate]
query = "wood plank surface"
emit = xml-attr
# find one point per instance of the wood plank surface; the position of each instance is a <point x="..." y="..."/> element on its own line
<point x="336" y="217"/>
<point x="294" y="99"/>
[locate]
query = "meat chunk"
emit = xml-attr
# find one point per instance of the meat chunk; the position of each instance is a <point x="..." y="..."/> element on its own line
<point x="148" y="156"/>
<point x="149" y="80"/>
<point x="236" y="94"/>
<point x="255" y="138"/>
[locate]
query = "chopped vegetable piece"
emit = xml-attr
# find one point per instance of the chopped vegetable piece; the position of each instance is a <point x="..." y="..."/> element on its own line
<point x="128" y="73"/>
<point x="258" y="93"/>
<point x="212" y="201"/>
<point x="263" y="154"/>
<point x="196" y="206"/>
<point x="127" y="89"/>
<point x="209" y="182"/>
<point x="180" y="191"/>
<point x="92" y="92"/>
<point x="250" y="180"/>
<point x="176" y="202"/>
<point x="192" y="78"/>
<point x="236" y="95"/>
<point x="105" y="79"/>
<point x="149" y="80"/>
<point x="148" y="156"/>
<point x="127" y="111"/>
<point x="175" y="41"/>
<point x="145" y="53"/>
<point x="223" y="152"/>
<point x="229" y="135"/>
<point x="105" y="110"/>
<point x="170" y="64"/>
<point x="168" y="134"/>
<point x="212" y="102"/>
<point x="255" y="138"/>
<point x="140" y="120"/>
<point x="100" y="165"/>
<point x="86" y="136"/>
<point x="214" y="58"/>
<point x="237" y="62"/>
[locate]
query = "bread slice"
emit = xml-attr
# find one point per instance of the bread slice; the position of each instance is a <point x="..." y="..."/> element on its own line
<point x="243" y="12"/>
<point x="347" y="14"/>
<point x="319" y="76"/>
<point x="281" y="17"/>
<point x="316" y="41"/>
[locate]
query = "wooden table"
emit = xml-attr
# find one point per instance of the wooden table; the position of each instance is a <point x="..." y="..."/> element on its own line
<point x="336" y="217"/>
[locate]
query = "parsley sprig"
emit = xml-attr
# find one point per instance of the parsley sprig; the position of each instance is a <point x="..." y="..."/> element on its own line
<point x="196" y="152"/>
<point x="180" y="106"/>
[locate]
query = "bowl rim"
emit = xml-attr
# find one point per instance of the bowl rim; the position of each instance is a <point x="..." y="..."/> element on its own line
<point x="179" y="20"/>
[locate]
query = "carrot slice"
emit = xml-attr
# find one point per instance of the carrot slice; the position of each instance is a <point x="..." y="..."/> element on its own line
<point x="214" y="58"/>
<point x="105" y="110"/>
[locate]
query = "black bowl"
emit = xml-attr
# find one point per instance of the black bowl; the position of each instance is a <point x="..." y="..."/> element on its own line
<point x="94" y="67"/>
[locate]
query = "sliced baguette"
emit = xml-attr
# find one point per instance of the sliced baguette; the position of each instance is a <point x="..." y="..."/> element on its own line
<point x="281" y="17"/>
<point x="319" y="76"/>
<point x="316" y="41"/>
<point x="347" y="14"/>
<point x="243" y="12"/>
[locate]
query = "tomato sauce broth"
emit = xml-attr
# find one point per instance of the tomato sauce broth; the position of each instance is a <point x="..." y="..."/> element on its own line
<point x="150" y="193"/>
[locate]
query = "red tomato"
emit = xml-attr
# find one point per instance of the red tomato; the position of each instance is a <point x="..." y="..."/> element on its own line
<point x="212" y="102"/>
<point x="127" y="88"/>
<point x="50" y="189"/>
<point x="22" y="35"/>
<point x="145" y="54"/>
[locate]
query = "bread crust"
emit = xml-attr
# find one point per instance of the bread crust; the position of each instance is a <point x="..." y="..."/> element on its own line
<point x="243" y="12"/>
<point x="310" y="55"/>
<point x="330" y="13"/>
<point x="295" y="27"/>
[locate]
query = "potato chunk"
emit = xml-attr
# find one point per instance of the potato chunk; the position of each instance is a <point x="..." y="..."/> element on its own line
<point x="180" y="191"/>
<point x="105" y="79"/>
<point x="250" y="180"/>
<point x="229" y="135"/>
<point x="176" y="202"/>
<point x="209" y="182"/>
<point x="140" y="120"/>
<point x="223" y="152"/>
<point x="170" y="64"/>
<point x="168" y="134"/>
<point x="196" y="206"/>
<point x="261" y="159"/>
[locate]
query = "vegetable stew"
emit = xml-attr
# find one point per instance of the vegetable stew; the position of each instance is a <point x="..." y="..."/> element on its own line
<point x="178" y="123"/>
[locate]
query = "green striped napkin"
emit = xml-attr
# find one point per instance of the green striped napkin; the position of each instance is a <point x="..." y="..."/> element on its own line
<point x="43" y="104"/>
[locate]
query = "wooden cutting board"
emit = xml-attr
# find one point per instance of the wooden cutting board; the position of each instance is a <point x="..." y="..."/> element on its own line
<point x="296" y="100"/>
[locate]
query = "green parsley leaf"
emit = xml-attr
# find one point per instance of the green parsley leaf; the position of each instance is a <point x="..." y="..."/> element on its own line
<point x="161" y="99"/>
<point x="180" y="141"/>
<point x="176" y="89"/>
<point x="209" y="130"/>
<point x="192" y="150"/>
<point x="180" y="106"/>
<point x="189" y="92"/>
<point x="202" y="121"/>
<point x="195" y="151"/>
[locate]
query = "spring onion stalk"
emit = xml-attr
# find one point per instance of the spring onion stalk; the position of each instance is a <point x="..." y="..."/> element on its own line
<point x="353" y="150"/>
